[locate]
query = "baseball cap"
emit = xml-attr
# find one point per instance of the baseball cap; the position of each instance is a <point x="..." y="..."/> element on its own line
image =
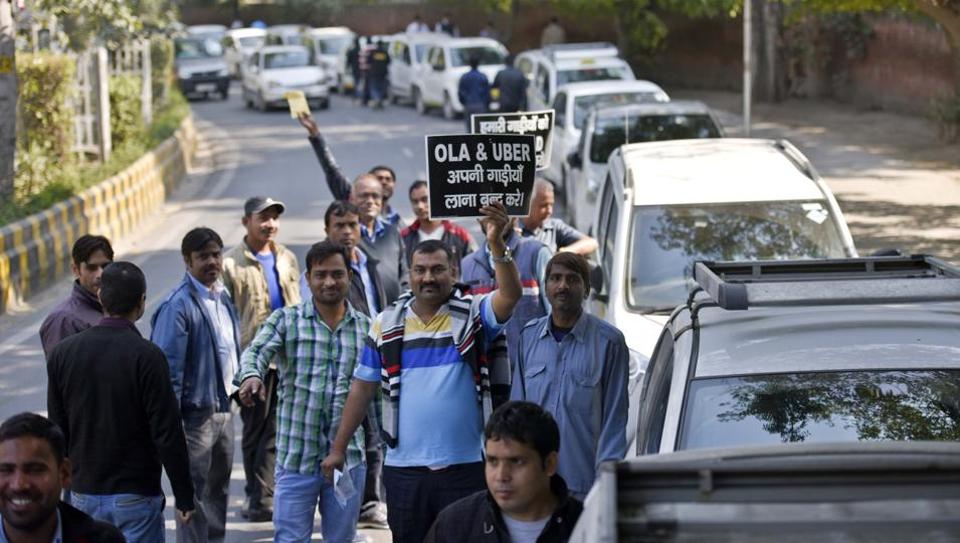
<point x="257" y="204"/>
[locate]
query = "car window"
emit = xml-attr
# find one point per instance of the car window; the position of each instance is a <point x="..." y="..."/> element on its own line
<point x="604" y="211"/>
<point x="583" y="104"/>
<point x="421" y="51"/>
<point x="610" y="132"/>
<point x="665" y="241"/>
<point x="333" y="46"/>
<point x="592" y="74"/>
<point x="656" y="396"/>
<point x="610" y="235"/>
<point x="197" y="48"/>
<point x="842" y="406"/>
<point x="560" y="108"/>
<point x="285" y="59"/>
<point x="460" y="56"/>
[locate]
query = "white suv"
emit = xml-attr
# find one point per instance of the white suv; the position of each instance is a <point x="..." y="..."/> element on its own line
<point x="554" y="66"/>
<point x="438" y="78"/>
<point x="239" y="44"/>
<point x="276" y="69"/>
<point x="408" y="52"/>
<point x="664" y="205"/>
<point x="327" y="45"/>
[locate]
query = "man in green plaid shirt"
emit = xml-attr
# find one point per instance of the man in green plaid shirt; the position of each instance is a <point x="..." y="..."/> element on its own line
<point x="318" y="344"/>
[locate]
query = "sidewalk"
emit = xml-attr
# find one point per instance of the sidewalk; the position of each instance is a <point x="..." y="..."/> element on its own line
<point x="897" y="184"/>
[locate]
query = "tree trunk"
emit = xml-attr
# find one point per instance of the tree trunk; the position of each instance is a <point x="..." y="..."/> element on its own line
<point x="8" y="100"/>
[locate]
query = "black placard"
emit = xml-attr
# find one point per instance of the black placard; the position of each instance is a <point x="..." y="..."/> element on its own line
<point x="539" y="124"/>
<point x="466" y="172"/>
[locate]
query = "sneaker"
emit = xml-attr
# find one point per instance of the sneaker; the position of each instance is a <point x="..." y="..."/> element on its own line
<point x="373" y="515"/>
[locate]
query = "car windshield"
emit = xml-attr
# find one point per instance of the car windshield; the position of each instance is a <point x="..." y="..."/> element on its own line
<point x="333" y="46"/>
<point x="197" y="48"/>
<point x="822" y="407"/>
<point x="251" y="42"/>
<point x="612" y="132"/>
<point x="286" y="59"/>
<point x="583" y="104"/>
<point x="592" y="74"/>
<point x="667" y="240"/>
<point x="421" y="50"/>
<point x="488" y="55"/>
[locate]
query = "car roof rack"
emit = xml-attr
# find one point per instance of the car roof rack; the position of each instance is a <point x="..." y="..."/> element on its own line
<point x="848" y="281"/>
<point x="580" y="50"/>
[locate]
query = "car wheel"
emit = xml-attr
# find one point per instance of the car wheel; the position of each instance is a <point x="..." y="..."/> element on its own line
<point x="448" y="112"/>
<point x="324" y="103"/>
<point x="418" y="102"/>
<point x="224" y="94"/>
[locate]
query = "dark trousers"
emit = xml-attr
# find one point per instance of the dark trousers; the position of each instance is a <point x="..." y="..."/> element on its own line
<point x="210" y="446"/>
<point x="259" y="446"/>
<point x="415" y="496"/>
<point x="374" y="457"/>
<point x="469" y="110"/>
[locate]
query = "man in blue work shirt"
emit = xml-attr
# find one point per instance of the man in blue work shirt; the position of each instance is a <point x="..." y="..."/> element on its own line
<point x="575" y="366"/>
<point x="473" y="91"/>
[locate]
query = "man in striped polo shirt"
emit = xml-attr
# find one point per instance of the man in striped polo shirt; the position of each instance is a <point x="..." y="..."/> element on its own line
<point x="326" y="336"/>
<point x="444" y="351"/>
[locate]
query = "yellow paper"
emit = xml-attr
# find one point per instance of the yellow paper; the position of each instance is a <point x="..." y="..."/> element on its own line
<point x="297" y="102"/>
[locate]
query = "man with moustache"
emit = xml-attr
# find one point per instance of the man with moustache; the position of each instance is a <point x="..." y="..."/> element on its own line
<point x="34" y="471"/>
<point x="261" y="276"/>
<point x="196" y="326"/>
<point x="444" y="351"/>
<point x="317" y="345"/>
<point x="82" y="309"/>
<point x="526" y="501"/>
<point x="575" y="366"/>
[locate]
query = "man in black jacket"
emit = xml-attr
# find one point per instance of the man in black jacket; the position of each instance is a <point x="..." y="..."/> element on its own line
<point x="33" y="473"/>
<point x="525" y="501"/>
<point x="109" y="390"/>
<point x="512" y="85"/>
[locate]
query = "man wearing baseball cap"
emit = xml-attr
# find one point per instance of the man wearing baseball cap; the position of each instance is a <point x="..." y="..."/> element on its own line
<point x="261" y="276"/>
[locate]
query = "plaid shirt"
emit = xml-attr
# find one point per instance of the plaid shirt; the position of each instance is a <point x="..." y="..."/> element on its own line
<point x="315" y="367"/>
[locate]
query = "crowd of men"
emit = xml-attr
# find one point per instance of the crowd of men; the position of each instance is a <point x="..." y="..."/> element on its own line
<point x="407" y="377"/>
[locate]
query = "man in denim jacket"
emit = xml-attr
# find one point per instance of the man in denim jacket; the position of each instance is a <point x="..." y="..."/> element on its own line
<point x="197" y="329"/>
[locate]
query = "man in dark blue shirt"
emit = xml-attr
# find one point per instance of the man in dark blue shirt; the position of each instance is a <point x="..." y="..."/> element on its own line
<point x="473" y="91"/>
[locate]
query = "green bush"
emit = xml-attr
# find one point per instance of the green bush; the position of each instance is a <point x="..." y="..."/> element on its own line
<point x="46" y="82"/>
<point x="126" y="122"/>
<point x="161" y="67"/>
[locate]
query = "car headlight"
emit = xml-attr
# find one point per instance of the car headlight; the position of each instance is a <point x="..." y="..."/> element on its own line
<point x="183" y="74"/>
<point x="273" y="84"/>
<point x="638" y="364"/>
<point x="222" y="72"/>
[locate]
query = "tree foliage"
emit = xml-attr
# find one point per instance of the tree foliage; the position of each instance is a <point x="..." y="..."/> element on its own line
<point x="89" y="22"/>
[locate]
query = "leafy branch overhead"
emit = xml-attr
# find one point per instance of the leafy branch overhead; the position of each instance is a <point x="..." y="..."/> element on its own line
<point x="90" y="22"/>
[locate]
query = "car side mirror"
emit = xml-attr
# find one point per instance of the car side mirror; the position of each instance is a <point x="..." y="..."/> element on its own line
<point x="596" y="283"/>
<point x="574" y="160"/>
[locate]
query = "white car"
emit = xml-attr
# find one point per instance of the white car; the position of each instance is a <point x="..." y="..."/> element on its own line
<point x="664" y="205"/>
<point x="438" y="78"/>
<point x="607" y="128"/>
<point x="407" y="54"/>
<point x="239" y="44"/>
<point x="573" y="102"/>
<point x="286" y="34"/>
<point x="554" y="66"/>
<point x="328" y="45"/>
<point x="275" y="69"/>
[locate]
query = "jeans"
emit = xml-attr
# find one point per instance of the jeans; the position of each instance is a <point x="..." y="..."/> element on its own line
<point x="378" y="88"/>
<point x="415" y="496"/>
<point x="140" y="518"/>
<point x="210" y="446"/>
<point x="259" y="446"/>
<point x="298" y="495"/>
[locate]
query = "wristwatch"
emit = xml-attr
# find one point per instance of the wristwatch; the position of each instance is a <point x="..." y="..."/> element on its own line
<point x="506" y="258"/>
